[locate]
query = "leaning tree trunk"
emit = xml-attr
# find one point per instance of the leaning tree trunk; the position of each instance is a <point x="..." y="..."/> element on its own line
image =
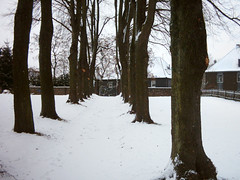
<point x="45" y="41"/>
<point x="22" y="102"/>
<point x="141" y="54"/>
<point x="189" y="59"/>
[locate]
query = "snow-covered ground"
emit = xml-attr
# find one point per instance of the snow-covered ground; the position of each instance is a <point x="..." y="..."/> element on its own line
<point x="99" y="142"/>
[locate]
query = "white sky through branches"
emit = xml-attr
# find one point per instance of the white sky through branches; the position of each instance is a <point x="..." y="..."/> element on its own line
<point x="219" y="41"/>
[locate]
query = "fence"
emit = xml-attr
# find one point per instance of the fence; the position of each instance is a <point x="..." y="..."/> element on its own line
<point x="232" y="95"/>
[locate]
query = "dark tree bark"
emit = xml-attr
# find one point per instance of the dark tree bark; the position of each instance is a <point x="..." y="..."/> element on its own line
<point x="95" y="16"/>
<point x="123" y="45"/>
<point x="45" y="41"/>
<point x="189" y="59"/>
<point x="133" y="64"/>
<point x="22" y="102"/>
<point x="75" y="24"/>
<point x="143" y="30"/>
<point x="83" y="64"/>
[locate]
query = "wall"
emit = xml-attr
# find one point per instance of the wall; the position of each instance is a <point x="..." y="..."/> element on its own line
<point x="159" y="91"/>
<point x="229" y="81"/>
<point x="64" y="90"/>
<point x="58" y="90"/>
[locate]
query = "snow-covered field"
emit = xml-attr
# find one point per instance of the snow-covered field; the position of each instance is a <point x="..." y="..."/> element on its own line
<point x="99" y="142"/>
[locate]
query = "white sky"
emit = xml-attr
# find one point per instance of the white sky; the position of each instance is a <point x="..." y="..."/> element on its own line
<point x="218" y="45"/>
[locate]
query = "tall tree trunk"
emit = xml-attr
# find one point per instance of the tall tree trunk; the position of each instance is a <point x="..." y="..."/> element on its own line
<point x="123" y="45"/>
<point x="45" y="41"/>
<point x="75" y="24"/>
<point x="84" y="66"/>
<point x="133" y="76"/>
<point x="22" y="102"/>
<point x="133" y="64"/>
<point x="94" y="38"/>
<point x="144" y="25"/>
<point x="189" y="59"/>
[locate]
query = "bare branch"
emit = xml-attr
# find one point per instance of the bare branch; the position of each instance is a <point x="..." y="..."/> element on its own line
<point x="233" y="19"/>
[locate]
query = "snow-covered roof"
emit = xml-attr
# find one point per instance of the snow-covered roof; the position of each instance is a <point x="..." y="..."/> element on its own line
<point x="159" y="69"/>
<point x="228" y="63"/>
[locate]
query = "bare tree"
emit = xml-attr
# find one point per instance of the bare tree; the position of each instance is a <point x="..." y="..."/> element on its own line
<point x="22" y="103"/>
<point x="83" y="66"/>
<point x="106" y="65"/>
<point x="45" y="41"/>
<point x="143" y="25"/>
<point x="95" y="29"/>
<point x="74" y="10"/>
<point x="189" y="60"/>
<point x="125" y="16"/>
<point x="60" y="52"/>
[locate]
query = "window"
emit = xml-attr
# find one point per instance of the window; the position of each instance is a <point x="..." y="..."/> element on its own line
<point x="220" y="78"/>
<point x="153" y="83"/>
<point x="110" y="85"/>
<point x="238" y="77"/>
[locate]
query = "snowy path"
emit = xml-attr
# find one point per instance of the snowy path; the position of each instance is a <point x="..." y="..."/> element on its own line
<point x="99" y="142"/>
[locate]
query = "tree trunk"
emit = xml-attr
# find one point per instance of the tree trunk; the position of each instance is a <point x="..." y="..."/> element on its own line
<point x="189" y="59"/>
<point x="133" y="66"/>
<point x="144" y="25"/>
<point x="75" y="24"/>
<point x="83" y="51"/>
<point x="22" y="102"/>
<point x="45" y="41"/>
<point x="123" y="45"/>
<point x="94" y="38"/>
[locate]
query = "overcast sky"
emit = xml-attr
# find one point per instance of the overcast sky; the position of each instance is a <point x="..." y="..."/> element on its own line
<point x="218" y="45"/>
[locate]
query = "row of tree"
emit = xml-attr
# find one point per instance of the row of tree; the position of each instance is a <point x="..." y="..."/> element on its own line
<point x="73" y="16"/>
<point x="134" y="21"/>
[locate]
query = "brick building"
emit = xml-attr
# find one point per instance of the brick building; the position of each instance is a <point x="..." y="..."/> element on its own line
<point x="225" y="74"/>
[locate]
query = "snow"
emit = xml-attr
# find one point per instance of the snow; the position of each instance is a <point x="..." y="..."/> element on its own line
<point x="228" y="63"/>
<point x="159" y="69"/>
<point x="98" y="140"/>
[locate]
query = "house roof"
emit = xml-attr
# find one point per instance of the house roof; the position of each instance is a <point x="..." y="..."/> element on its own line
<point x="159" y="68"/>
<point x="228" y="63"/>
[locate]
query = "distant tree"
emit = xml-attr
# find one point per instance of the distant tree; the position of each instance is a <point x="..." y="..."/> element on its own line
<point x="22" y="103"/>
<point x="34" y="77"/>
<point x="62" y="80"/>
<point x="94" y="31"/>
<point x="45" y="40"/>
<point x="60" y="52"/>
<point x="6" y="69"/>
<point x="189" y="60"/>
<point x="106" y="65"/>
